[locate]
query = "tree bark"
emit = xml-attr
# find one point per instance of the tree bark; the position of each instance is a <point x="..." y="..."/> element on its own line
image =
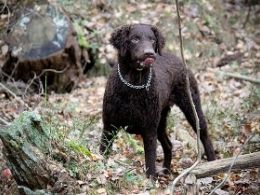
<point x="246" y="161"/>
<point x="27" y="146"/>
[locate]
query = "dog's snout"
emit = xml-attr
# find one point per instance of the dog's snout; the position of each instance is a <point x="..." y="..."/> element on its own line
<point x="149" y="52"/>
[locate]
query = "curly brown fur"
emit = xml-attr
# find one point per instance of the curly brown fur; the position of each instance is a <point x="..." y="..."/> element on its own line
<point x="144" y="111"/>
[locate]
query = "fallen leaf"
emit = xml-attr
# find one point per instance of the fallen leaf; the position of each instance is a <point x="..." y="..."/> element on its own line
<point x="205" y="180"/>
<point x="102" y="191"/>
<point x="221" y="192"/>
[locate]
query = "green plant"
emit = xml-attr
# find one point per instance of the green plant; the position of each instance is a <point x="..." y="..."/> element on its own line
<point x="224" y="121"/>
<point x="66" y="2"/>
<point x="132" y="142"/>
<point x="252" y="102"/>
<point x="73" y="168"/>
<point x="82" y="39"/>
<point x="89" y="41"/>
<point x="130" y="177"/>
<point x="78" y="148"/>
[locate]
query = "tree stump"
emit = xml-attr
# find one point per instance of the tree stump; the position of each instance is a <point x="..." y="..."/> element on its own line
<point x="27" y="147"/>
<point x="44" y="48"/>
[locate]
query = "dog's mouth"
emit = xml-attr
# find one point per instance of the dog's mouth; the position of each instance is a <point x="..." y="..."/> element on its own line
<point x="145" y="63"/>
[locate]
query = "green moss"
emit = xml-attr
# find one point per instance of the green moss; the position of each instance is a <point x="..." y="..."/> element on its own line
<point x="28" y="128"/>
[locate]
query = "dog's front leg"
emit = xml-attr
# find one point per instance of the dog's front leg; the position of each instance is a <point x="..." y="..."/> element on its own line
<point x="150" y="144"/>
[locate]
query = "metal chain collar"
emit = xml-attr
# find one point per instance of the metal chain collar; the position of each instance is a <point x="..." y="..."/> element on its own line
<point x="146" y="86"/>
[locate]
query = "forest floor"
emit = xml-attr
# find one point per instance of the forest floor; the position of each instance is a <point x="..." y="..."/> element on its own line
<point x="218" y="39"/>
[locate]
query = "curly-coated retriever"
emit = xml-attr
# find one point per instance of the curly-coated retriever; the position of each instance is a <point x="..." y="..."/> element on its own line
<point x="142" y="88"/>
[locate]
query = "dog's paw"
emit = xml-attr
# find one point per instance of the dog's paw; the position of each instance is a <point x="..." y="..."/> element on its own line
<point x="163" y="177"/>
<point x="163" y="172"/>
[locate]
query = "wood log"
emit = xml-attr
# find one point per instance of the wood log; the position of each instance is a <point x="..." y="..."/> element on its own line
<point x="43" y="44"/>
<point x="27" y="146"/>
<point x="246" y="161"/>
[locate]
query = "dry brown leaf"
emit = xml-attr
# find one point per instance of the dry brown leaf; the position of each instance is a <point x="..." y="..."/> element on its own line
<point x="102" y="191"/>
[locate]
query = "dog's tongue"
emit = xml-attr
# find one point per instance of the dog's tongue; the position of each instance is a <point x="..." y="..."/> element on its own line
<point x="149" y="61"/>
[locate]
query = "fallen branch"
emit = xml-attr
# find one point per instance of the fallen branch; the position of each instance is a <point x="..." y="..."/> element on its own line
<point x="227" y="59"/>
<point x="241" y="162"/>
<point x="242" y="77"/>
<point x="239" y="76"/>
<point x="246" y="161"/>
<point x="232" y="164"/>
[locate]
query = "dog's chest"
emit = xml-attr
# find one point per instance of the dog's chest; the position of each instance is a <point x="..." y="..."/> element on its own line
<point x="135" y="109"/>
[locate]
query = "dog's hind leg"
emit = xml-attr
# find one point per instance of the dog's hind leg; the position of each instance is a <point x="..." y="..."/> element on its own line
<point x="164" y="140"/>
<point x="182" y="101"/>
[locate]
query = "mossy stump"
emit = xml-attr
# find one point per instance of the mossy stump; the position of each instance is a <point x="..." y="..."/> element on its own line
<point x="27" y="147"/>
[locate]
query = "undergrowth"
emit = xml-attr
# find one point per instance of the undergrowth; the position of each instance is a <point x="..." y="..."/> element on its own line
<point x="79" y="153"/>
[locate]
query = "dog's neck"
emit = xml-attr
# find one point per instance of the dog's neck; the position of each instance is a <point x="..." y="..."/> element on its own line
<point x="132" y="75"/>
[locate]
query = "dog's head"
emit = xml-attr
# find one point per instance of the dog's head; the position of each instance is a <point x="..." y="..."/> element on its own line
<point x="138" y="43"/>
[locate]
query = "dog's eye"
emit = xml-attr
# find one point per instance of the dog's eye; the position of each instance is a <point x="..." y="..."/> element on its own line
<point x="135" y="40"/>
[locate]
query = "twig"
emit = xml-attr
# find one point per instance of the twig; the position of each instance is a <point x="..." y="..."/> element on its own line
<point x="4" y="121"/>
<point x="122" y="164"/>
<point x="41" y="87"/>
<point x="232" y="164"/>
<point x="14" y="69"/>
<point x="4" y="6"/>
<point x="53" y="70"/>
<point x="38" y="77"/>
<point x="185" y="172"/>
<point x="248" y="14"/>
<point x="14" y="95"/>
<point x="192" y="105"/>
<point x="30" y="83"/>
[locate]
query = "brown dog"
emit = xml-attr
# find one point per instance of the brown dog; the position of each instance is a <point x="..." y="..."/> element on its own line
<point x="142" y="88"/>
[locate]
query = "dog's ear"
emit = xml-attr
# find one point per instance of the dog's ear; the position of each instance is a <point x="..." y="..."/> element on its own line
<point x="119" y="38"/>
<point x="160" y="40"/>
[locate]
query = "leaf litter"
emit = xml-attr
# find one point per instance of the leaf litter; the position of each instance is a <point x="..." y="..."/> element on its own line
<point x="211" y="33"/>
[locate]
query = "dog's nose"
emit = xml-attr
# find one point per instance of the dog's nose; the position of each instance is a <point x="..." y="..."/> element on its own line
<point x="149" y="52"/>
